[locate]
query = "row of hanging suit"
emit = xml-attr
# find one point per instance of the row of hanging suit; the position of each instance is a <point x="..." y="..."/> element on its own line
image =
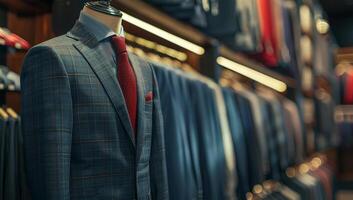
<point x="222" y="141"/>
<point x="346" y="86"/>
<point x="13" y="184"/>
<point x="12" y="175"/>
<point x="345" y="125"/>
<point x="268" y="30"/>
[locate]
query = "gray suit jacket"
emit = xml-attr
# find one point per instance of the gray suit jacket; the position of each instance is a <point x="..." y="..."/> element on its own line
<point x="79" y="143"/>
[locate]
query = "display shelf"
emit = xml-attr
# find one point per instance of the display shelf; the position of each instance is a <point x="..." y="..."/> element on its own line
<point x="345" y="109"/>
<point x="344" y="54"/>
<point x="344" y="113"/>
<point x="148" y="13"/>
<point x="154" y="16"/>
<point x="253" y="64"/>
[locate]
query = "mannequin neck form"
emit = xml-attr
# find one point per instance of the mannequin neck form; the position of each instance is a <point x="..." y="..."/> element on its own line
<point x="112" y="22"/>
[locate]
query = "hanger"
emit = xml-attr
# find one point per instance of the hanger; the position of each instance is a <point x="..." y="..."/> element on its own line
<point x="12" y="113"/>
<point x="226" y="79"/>
<point x="259" y="191"/>
<point x="104" y="7"/>
<point x="311" y="165"/>
<point x="3" y="114"/>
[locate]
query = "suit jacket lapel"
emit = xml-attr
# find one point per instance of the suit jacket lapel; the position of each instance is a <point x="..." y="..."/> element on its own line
<point x="140" y="102"/>
<point x="101" y="65"/>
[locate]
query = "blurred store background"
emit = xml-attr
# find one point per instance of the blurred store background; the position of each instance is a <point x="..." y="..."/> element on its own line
<point x="299" y="51"/>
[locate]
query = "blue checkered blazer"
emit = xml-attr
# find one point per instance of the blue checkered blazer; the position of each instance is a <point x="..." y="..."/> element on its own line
<point x="79" y="143"/>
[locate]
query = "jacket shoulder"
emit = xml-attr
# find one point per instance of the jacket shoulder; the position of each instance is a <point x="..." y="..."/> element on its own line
<point x="58" y="47"/>
<point x="57" y="42"/>
<point x="47" y="53"/>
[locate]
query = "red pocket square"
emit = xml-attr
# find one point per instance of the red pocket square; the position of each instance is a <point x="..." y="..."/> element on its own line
<point x="149" y="97"/>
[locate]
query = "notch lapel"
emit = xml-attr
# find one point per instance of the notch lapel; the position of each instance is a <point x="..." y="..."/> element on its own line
<point x="101" y="65"/>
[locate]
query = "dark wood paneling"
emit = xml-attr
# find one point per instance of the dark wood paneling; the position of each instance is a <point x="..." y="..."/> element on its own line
<point x="19" y="6"/>
<point x="35" y="29"/>
<point x="3" y="22"/>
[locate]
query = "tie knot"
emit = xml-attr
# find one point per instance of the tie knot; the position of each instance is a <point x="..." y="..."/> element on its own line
<point x="119" y="44"/>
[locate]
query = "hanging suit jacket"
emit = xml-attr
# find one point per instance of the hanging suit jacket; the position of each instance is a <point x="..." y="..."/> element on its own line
<point x="79" y="143"/>
<point x="269" y="37"/>
<point x="180" y="166"/>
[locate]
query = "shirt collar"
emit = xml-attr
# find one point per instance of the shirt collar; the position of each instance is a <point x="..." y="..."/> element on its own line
<point x="98" y="29"/>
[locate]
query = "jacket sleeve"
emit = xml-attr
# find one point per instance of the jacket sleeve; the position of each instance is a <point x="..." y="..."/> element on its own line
<point x="158" y="168"/>
<point x="47" y="124"/>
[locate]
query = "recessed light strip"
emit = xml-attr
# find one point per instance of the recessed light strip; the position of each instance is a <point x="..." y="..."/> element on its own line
<point x="253" y="74"/>
<point x="181" y="56"/>
<point x="164" y="34"/>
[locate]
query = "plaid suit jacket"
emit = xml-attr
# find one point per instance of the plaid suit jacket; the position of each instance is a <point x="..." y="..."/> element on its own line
<point x="79" y="143"/>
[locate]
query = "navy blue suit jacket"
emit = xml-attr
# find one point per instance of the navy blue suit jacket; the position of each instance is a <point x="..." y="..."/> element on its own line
<point x="79" y="143"/>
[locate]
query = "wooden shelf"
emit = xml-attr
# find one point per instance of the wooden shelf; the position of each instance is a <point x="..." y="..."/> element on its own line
<point x="253" y="64"/>
<point x="345" y="109"/>
<point x="154" y="16"/>
<point x="160" y="19"/>
<point x="345" y="54"/>
<point x="344" y="113"/>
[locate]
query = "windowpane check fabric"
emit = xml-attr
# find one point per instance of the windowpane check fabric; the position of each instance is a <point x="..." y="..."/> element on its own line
<point x="77" y="135"/>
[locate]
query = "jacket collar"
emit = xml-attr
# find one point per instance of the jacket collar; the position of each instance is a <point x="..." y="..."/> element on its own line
<point x="79" y="32"/>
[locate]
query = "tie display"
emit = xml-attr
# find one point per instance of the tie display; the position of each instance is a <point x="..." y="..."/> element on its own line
<point x="126" y="78"/>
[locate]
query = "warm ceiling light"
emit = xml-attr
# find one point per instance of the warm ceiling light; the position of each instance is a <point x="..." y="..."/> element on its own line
<point x="322" y="26"/>
<point x="290" y="172"/>
<point x="157" y="47"/>
<point x="253" y="74"/>
<point x="164" y="34"/>
<point x="249" y="196"/>
<point x="258" y="189"/>
<point x="304" y="168"/>
<point x="305" y="18"/>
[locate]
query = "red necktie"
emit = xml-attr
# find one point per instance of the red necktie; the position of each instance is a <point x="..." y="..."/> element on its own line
<point x="126" y="78"/>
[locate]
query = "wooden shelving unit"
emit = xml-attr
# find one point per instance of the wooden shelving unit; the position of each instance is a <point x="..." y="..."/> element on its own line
<point x="242" y="59"/>
<point x="344" y="113"/>
<point x="345" y="54"/>
<point x="142" y="10"/>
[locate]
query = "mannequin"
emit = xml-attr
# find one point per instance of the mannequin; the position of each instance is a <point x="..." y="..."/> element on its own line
<point x="80" y="142"/>
<point x="111" y="21"/>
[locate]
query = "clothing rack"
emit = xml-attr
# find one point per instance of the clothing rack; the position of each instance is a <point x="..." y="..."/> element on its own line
<point x="211" y="58"/>
<point x="5" y="89"/>
<point x="208" y="59"/>
<point x="3" y="51"/>
<point x="310" y="165"/>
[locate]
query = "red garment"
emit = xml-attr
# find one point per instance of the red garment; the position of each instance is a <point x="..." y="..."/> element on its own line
<point x="348" y="97"/>
<point x="269" y="54"/>
<point x="12" y="40"/>
<point x="127" y="79"/>
<point x="4" y="39"/>
<point x="325" y="180"/>
<point x="19" y="42"/>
